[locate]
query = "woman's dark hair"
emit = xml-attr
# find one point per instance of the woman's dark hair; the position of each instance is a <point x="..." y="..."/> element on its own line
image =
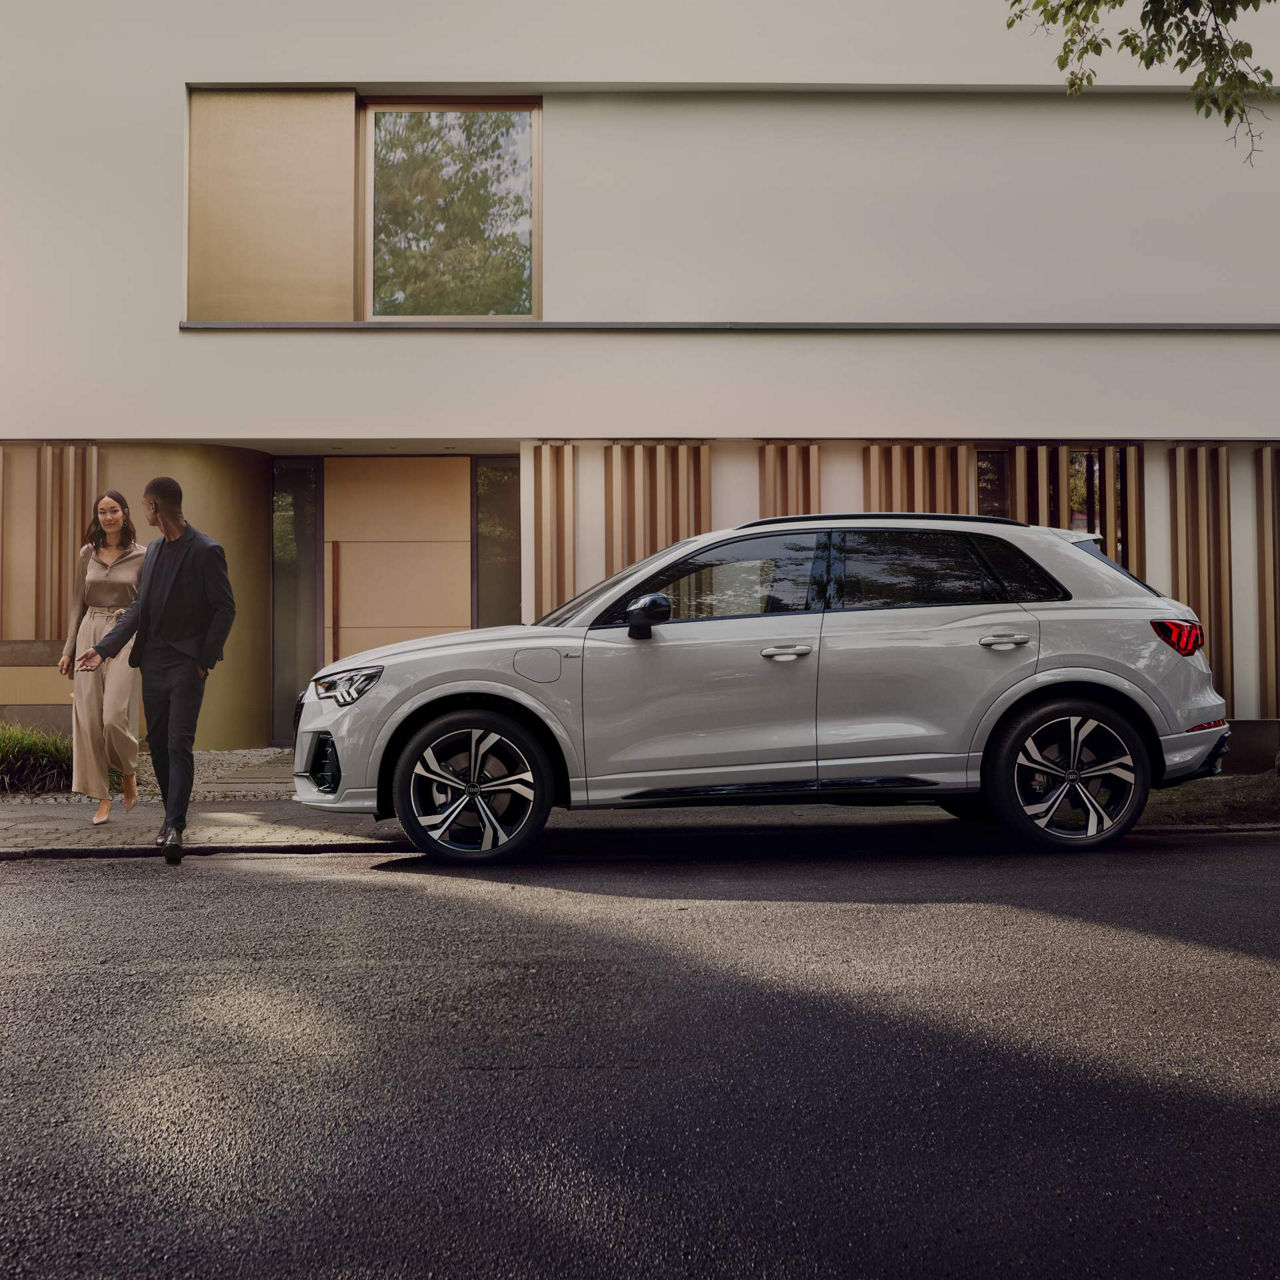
<point x="96" y="535"/>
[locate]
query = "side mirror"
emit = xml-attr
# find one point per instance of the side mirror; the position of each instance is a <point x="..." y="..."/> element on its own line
<point x="644" y="611"/>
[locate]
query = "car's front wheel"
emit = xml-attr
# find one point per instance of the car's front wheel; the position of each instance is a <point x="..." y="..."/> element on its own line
<point x="1068" y="775"/>
<point x="473" y="786"/>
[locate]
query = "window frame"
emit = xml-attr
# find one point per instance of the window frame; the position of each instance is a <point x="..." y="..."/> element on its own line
<point x="369" y="107"/>
<point x="815" y="597"/>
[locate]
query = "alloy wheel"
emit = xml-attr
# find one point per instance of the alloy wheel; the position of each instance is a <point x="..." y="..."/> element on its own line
<point x="1074" y="777"/>
<point x="472" y="790"/>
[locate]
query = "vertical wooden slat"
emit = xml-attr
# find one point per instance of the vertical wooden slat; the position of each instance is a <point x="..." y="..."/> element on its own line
<point x="703" y="515"/>
<point x="70" y="541"/>
<point x="1222" y="573"/>
<point x="637" y="534"/>
<point x="813" y="462"/>
<point x="567" y="525"/>
<point x="1109" y="501"/>
<point x="1062" y="516"/>
<point x="1020" y="482"/>
<point x="613" y="508"/>
<point x="546" y="528"/>
<point x="1268" y="562"/>
<point x="44" y="542"/>
<point x="680" y="504"/>
<point x="1134" y="524"/>
<point x="794" y="480"/>
<point x="1180" y="551"/>
<point x="662" y="471"/>
<point x="941" y="490"/>
<point x="919" y="500"/>
<point x="873" y="478"/>
<point x="768" y="480"/>
<point x="1201" y="553"/>
<point x="334" y="614"/>
<point x="897" y="478"/>
<point x="1043" y="514"/>
<point x="966" y="479"/>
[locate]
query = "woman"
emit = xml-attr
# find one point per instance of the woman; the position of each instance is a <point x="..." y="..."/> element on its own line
<point x="106" y="583"/>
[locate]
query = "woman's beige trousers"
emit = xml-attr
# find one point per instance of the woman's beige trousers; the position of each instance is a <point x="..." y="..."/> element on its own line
<point x="102" y="711"/>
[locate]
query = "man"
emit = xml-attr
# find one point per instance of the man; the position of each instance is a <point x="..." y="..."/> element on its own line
<point x="181" y="616"/>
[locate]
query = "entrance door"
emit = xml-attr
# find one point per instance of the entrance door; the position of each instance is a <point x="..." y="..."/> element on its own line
<point x="720" y="700"/>
<point x="397" y="541"/>
<point x="918" y="640"/>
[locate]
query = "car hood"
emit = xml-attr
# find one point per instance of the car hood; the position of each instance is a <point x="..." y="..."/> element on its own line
<point x="451" y="640"/>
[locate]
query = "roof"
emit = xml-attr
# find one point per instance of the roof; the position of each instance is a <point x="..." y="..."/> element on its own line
<point x="883" y="515"/>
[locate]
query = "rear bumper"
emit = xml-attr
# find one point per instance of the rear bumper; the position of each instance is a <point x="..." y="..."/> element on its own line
<point x="1188" y="756"/>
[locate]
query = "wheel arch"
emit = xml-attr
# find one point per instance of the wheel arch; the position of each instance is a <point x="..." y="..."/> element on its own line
<point x="1119" y="700"/>
<point x="471" y="700"/>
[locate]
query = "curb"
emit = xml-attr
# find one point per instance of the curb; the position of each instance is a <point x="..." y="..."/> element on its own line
<point x="397" y="845"/>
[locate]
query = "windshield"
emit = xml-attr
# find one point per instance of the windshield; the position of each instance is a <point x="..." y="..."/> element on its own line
<point x="558" y="616"/>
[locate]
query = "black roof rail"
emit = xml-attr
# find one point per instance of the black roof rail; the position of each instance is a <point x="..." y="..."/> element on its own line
<point x="884" y="515"/>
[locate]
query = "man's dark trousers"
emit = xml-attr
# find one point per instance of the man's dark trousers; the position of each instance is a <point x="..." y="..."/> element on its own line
<point x="172" y="691"/>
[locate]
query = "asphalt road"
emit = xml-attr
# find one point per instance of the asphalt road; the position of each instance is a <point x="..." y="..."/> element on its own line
<point x="674" y="1051"/>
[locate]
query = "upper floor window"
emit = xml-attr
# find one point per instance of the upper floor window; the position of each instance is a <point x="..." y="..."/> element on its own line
<point x="451" y="210"/>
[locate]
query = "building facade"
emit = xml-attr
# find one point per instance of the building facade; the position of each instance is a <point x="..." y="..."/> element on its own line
<point x="439" y="316"/>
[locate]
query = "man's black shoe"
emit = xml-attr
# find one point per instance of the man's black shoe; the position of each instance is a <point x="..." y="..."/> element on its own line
<point x="164" y="831"/>
<point x="173" y="847"/>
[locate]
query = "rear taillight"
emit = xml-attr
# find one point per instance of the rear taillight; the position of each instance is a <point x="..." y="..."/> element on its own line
<point x="1186" y="637"/>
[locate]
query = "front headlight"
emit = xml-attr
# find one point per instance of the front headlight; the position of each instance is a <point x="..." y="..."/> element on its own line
<point x="344" y="687"/>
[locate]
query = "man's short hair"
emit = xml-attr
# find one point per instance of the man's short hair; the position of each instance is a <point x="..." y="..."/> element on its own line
<point x="166" y="491"/>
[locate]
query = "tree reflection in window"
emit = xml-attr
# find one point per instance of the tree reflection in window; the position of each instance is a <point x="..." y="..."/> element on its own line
<point x="452" y="213"/>
<point x="739" y="579"/>
<point x="886" y="569"/>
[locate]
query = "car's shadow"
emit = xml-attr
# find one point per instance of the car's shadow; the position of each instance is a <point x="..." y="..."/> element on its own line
<point x="1206" y="888"/>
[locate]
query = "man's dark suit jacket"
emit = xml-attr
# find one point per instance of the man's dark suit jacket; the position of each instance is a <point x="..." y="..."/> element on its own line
<point x="198" y="608"/>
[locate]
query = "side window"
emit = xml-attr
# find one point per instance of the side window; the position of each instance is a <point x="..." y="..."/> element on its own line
<point x="901" y="568"/>
<point x="1023" y="579"/>
<point x="746" y="578"/>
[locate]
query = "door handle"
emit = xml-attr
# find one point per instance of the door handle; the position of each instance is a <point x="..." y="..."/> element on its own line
<point x="786" y="652"/>
<point x="1003" y="640"/>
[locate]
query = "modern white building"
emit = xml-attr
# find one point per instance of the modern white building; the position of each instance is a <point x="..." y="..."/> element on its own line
<point x="441" y="312"/>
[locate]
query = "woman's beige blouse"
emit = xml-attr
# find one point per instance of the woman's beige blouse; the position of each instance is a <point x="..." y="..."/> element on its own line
<point x="102" y="586"/>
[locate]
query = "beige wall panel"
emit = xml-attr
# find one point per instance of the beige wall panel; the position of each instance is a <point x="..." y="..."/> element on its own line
<point x="590" y="525"/>
<point x="18" y="513"/>
<point x="684" y="207"/>
<point x="226" y="494"/>
<point x="33" y="687"/>
<point x="398" y="499"/>
<point x="1157" y="517"/>
<point x="404" y="584"/>
<point x="271" y="208"/>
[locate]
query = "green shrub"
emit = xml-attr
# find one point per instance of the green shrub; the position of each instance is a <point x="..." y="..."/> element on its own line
<point x="33" y="761"/>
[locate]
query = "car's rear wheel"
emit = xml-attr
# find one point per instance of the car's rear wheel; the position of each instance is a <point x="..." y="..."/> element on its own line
<point x="1068" y="774"/>
<point x="473" y="786"/>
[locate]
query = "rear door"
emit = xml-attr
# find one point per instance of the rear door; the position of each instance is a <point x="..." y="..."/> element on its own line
<point x="719" y="701"/>
<point x="919" y="638"/>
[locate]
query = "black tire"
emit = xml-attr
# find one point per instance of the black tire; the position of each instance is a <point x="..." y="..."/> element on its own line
<point x="436" y="776"/>
<point x="974" y="808"/>
<point x="1068" y="774"/>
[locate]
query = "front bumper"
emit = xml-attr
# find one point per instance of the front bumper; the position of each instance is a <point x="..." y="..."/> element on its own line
<point x="324" y="726"/>
<point x="1188" y="756"/>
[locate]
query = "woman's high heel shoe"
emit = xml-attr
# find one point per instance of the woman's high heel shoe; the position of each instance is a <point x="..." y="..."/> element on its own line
<point x="130" y="792"/>
<point x="100" y="817"/>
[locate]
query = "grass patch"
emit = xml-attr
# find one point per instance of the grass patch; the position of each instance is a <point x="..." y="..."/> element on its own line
<point x="35" y="761"/>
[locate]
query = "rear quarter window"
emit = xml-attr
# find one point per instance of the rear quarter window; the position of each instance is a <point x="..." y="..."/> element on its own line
<point x="1024" y="580"/>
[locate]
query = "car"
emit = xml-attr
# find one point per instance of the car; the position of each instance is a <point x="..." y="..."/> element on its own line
<point x="1000" y="670"/>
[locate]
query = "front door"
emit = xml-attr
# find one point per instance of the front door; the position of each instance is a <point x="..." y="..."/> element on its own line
<point x="918" y="640"/>
<point x="719" y="701"/>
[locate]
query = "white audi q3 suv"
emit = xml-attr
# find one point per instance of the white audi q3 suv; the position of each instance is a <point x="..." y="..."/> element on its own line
<point x="987" y="666"/>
